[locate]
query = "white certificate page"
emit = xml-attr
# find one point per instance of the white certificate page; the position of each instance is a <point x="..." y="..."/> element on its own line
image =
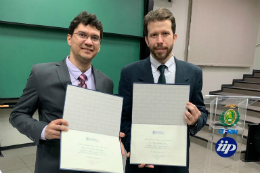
<point x="159" y="130"/>
<point x="92" y="142"/>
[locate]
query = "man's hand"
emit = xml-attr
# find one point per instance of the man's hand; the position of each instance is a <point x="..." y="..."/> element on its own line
<point x="53" y="129"/>
<point x="142" y="165"/>
<point x="192" y="114"/>
<point x="121" y="135"/>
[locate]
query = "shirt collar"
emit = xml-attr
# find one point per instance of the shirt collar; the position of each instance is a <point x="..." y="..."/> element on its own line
<point x="170" y="64"/>
<point x="75" y="72"/>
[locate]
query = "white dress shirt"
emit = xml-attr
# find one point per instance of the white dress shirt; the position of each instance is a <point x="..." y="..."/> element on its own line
<point x="169" y="72"/>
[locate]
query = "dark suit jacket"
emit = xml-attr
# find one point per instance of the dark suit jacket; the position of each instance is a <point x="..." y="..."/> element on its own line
<point x="141" y="71"/>
<point x="45" y="91"/>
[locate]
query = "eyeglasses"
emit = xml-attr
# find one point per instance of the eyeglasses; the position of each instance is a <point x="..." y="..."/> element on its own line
<point x="84" y="37"/>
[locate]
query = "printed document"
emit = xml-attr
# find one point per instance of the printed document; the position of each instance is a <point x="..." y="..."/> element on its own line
<point x="92" y="142"/>
<point x="159" y="130"/>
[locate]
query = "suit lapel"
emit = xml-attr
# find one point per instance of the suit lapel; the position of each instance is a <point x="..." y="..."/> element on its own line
<point x="146" y="75"/>
<point x="181" y="76"/>
<point x="63" y="73"/>
<point x="97" y="79"/>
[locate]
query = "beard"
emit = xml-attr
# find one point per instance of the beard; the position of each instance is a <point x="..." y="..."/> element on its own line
<point x="159" y="56"/>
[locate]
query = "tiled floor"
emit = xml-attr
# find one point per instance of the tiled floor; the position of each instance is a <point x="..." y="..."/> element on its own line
<point x="22" y="161"/>
<point x="18" y="160"/>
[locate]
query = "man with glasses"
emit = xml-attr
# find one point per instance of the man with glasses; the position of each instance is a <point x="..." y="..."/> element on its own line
<point x="46" y="87"/>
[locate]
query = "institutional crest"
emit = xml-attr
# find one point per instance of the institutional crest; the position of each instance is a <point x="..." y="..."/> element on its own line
<point x="229" y="117"/>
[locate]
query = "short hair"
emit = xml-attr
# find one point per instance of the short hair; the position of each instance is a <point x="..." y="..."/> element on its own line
<point x="86" y="19"/>
<point x="160" y="14"/>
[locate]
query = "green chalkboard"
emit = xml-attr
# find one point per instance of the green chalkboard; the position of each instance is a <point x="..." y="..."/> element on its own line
<point x="118" y="16"/>
<point x="29" y="35"/>
<point x="23" y="46"/>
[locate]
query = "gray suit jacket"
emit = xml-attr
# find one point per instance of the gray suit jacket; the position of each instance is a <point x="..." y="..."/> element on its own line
<point x="141" y="71"/>
<point x="45" y="91"/>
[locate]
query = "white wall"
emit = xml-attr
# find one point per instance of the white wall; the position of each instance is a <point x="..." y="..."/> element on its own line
<point x="257" y="50"/>
<point x="213" y="77"/>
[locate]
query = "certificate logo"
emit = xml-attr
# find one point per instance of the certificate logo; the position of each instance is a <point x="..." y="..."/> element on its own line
<point x="91" y="139"/>
<point x="158" y="133"/>
<point x="229" y="117"/>
<point x="226" y="147"/>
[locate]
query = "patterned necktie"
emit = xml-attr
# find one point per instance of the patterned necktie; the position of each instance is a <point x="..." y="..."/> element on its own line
<point x="162" y="79"/>
<point x="82" y="81"/>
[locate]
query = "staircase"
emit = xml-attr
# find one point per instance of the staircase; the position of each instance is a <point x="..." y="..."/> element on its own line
<point x="248" y="86"/>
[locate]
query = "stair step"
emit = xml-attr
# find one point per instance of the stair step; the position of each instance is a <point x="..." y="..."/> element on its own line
<point x="256" y="108"/>
<point x="256" y="73"/>
<point x="227" y="93"/>
<point x="256" y="103"/>
<point x="246" y="84"/>
<point x="252" y="120"/>
<point x="243" y="88"/>
<point x="219" y="92"/>
<point x="240" y="90"/>
<point x="252" y="79"/>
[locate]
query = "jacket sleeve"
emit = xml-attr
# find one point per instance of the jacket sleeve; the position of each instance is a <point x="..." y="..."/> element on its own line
<point x="21" y="116"/>
<point x="125" y="91"/>
<point x="197" y="99"/>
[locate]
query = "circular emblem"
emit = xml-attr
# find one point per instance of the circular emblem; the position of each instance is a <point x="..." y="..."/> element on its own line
<point x="226" y="147"/>
<point x="229" y="117"/>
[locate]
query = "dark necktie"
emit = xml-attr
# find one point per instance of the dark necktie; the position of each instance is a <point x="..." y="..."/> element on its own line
<point x="82" y="81"/>
<point x="162" y="79"/>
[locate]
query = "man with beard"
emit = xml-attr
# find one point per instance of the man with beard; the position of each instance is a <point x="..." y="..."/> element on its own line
<point x="161" y="67"/>
<point x="46" y="88"/>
